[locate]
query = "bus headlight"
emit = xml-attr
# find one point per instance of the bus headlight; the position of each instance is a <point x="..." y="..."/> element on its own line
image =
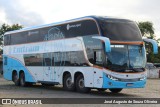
<point x="112" y="78"/>
<point x="142" y="78"/>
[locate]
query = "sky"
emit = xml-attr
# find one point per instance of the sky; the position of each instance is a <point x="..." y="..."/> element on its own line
<point x="38" y="12"/>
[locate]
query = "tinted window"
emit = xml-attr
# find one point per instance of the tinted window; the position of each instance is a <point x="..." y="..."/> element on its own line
<point x="6" y="39"/>
<point x="58" y="59"/>
<point x="74" y="29"/>
<point x="48" y="59"/>
<point x="94" y="49"/>
<point x="18" y="38"/>
<point x="33" y="59"/>
<point x="33" y="36"/>
<point x="119" y="29"/>
<point x="75" y="58"/>
<point x="80" y="28"/>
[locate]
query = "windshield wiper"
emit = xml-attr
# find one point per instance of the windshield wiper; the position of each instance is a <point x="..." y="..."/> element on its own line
<point x="138" y="69"/>
<point x="118" y="69"/>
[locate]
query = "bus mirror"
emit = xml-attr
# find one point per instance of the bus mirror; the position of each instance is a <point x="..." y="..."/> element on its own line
<point x="154" y="43"/>
<point x="106" y="41"/>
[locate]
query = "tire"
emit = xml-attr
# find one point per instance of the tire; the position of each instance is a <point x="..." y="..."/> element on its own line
<point x="80" y="85"/>
<point x="67" y="83"/>
<point x="15" y="79"/>
<point x="101" y="89"/>
<point x="116" y="90"/>
<point x="22" y="79"/>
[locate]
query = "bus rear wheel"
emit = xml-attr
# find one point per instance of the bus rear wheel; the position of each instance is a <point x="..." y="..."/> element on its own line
<point x="22" y="79"/>
<point x="15" y="79"/>
<point x="80" y="86"/>
<point x="67" y="83"/>
<point x="115" y="90"/>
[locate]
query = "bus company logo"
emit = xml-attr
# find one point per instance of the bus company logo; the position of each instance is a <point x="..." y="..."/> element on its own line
<point x="73" y="26"/>
<point x="32" y="33"/>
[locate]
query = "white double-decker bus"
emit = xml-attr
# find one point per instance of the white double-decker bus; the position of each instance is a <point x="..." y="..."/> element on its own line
<point x="81" y="54"/>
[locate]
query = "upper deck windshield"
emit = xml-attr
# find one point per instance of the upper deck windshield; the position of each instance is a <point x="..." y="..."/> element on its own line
<point x="126" y="58"/>
<point x="120" y="29"/>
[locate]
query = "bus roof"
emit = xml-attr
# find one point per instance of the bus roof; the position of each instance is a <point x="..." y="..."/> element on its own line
<point x="63" y="22"/>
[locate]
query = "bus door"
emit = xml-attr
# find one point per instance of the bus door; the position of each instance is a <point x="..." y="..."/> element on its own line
<point x="48" y="67"/>
<point x="98" y="72"/>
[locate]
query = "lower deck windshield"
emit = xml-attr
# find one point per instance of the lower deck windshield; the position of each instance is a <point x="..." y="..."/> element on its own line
<point x="126" y="58"/>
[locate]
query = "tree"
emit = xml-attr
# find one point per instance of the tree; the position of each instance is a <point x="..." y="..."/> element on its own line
<point x="147" y="30"/>
<point x="5" y="28"/>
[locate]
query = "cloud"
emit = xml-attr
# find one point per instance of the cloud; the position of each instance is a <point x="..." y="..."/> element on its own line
<point x="15" y="13"/>
<point x="36" y="12"/>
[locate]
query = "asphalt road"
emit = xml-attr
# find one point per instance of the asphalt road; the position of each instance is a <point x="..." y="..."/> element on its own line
<point x="9" y="90"/>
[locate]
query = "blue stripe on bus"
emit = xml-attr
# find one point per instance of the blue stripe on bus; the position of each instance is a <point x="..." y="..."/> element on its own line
<point x="120" y="84"/>
<point x="15" y="64"/>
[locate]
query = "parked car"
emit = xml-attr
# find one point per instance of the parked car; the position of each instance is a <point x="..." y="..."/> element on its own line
<point x="157" y="65"/>
<point x="150" y="66"/>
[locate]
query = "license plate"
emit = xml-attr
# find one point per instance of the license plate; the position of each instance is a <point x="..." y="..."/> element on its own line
<point x="129" y="84"/>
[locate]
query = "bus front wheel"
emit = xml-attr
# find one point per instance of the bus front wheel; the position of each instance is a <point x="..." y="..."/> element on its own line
<point x="80" y="86"/>
<point x="22" y="79"/>
<point x="67" y="83"/>
<point x="115" y="90"/>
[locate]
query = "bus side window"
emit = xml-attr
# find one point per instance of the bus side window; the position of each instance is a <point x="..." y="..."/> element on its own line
<point x="7" y="40"/>
<point x="98" y="58"/>
<point x="47" y="61"/>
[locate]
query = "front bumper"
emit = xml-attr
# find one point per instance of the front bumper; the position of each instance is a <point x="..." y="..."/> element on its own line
<point x="109" y="83"/>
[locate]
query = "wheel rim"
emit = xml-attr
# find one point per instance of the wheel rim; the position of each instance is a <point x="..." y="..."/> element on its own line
<point x="81" y="83"/>
<point x="69" y="82"/>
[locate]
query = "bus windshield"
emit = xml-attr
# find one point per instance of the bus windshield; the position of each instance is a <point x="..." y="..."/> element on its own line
<point x="126" y="58"/>
<point x="121" y="30"/>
